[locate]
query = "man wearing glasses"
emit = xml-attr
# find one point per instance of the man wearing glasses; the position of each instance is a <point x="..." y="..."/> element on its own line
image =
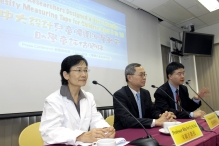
<point x="179" y="93"/>
<point x="138" y="101"/>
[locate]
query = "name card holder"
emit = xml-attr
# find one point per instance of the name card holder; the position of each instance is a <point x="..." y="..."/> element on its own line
<point x="185" y="132"/>
<point x="212" y="120"/>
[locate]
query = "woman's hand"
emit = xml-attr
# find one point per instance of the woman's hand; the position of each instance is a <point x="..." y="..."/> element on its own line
<point x="92" y="135"/>
<point x="109" y="132"/>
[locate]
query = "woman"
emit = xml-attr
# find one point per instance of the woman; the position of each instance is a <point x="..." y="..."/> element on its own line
<point x="70" y="112"/>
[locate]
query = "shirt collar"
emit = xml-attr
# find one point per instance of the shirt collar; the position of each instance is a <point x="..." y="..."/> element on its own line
<point x="64" y="91"/>
<point x="134" y="92"/>
<point x="173" y="88"/>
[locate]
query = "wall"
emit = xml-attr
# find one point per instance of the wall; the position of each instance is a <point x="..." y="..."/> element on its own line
<point x="190" y="70"/>
<point x="165" y="34"/>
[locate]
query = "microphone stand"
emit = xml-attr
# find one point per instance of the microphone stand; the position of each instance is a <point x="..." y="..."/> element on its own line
<point x="187" y="83"/>
<point x="153" y="86"/>
<point x="144" y="141"/>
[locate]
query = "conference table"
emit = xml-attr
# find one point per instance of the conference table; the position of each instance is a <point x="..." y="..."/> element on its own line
<point x="208" y="138"/>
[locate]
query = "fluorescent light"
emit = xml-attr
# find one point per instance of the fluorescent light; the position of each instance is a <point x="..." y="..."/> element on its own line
<point x="211" y="5"/>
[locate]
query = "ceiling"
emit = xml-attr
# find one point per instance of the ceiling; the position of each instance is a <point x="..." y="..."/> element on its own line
<point x="177" y="15"/>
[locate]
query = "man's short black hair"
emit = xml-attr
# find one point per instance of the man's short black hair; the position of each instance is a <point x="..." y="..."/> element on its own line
<point x="171" y="67"/>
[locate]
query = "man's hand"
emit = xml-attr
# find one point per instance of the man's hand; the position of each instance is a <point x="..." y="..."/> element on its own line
<point x="92" y="135"/>
<point x="198" y="114"/>
<point x="165" y="117"/>
<point x="171" y="115"/>
<point x="202" y="93"/>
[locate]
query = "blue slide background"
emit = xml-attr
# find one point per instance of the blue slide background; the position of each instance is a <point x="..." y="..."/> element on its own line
<point x="31" y="29"/>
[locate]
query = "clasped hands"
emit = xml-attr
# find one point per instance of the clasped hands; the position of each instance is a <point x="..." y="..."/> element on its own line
<point x="97" y="133"/>
<point x="165" y="117"/>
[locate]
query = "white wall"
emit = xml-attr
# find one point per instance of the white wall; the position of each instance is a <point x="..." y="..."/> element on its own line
<point x="166" y="34"/>
<point x="190" y="69"/>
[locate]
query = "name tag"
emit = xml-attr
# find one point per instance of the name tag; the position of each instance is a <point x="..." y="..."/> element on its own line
<point x="212" y="120"/>
<point x="185" y="132"/>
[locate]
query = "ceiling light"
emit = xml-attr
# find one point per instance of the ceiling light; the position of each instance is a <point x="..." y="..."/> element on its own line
<point x="211" y="5"/>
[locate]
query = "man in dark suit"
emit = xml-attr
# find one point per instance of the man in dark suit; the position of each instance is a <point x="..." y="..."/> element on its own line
<point x="178" y="92"/>
<point x="138" y="101"/>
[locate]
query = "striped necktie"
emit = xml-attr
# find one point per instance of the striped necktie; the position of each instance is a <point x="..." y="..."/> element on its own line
<point x="178" y="100"/>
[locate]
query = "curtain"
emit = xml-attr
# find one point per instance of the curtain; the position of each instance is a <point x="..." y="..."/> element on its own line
<point x="208" y="76"/>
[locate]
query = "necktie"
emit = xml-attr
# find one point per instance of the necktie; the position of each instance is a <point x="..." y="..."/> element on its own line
<point x="139" y="104"/>
<point x="178" y="100"/>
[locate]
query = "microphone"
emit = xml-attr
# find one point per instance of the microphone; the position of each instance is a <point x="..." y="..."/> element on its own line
<point x="153" y="86"/>
<point x="144" y="141"/>
<point x="187" y="83"/>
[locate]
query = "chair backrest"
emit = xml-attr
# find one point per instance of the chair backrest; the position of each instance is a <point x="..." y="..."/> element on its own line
<point x="30" y="136"/>
<point x="110" y="120"/>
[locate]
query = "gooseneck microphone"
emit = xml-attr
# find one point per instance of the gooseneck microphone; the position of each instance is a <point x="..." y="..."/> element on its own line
<point x="144" y="141"/>
<point x="187" y="83"/>
<point x="153" y="86"/>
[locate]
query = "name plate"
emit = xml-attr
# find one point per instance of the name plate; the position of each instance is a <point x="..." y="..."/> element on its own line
<point x="185" y="132"/>
<point x="212" y="120"/>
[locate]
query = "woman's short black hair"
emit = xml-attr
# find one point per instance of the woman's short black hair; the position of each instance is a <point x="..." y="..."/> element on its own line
<point x="171" y="67"/>
<point x="67" y="63"/>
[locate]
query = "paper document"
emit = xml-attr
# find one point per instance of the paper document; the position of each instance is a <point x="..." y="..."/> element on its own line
<point x="119" y="142"/>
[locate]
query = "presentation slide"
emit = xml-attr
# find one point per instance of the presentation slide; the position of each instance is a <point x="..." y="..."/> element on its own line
<point x="50" y="30"/>
<point x="36" y="35"/>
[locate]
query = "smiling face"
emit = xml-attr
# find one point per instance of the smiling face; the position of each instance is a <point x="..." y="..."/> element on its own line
<point x="77" y="76"/>
<point x="177" y="77"/>
<point x="138" y="79"/>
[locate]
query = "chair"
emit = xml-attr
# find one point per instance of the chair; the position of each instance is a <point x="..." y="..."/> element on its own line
<point x="110" y="120"/>
<point x="30" y="136"/>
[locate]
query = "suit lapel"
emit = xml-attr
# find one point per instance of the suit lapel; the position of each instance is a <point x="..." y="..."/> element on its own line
<point x="131" y="98"/>
<point x="169" y="92"/>
<point x="181" y="95"/>
<point x="143" y="101"/>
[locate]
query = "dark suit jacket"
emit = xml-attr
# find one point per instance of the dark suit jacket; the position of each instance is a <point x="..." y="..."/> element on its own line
<point x="164" y="103"/>
<point x="123" y="119"/>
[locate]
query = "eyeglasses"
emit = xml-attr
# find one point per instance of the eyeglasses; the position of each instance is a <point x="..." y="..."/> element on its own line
<point x="180" y="73"/>
<point x="141" y="75"/>
<point x="79" y="71"/>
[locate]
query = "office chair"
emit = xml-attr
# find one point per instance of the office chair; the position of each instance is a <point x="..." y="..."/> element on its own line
<point x="30" y="136"/>
<point x="110" y="120"/>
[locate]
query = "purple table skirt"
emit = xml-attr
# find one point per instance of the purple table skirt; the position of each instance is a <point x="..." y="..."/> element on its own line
<point x="208" y="138"/>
